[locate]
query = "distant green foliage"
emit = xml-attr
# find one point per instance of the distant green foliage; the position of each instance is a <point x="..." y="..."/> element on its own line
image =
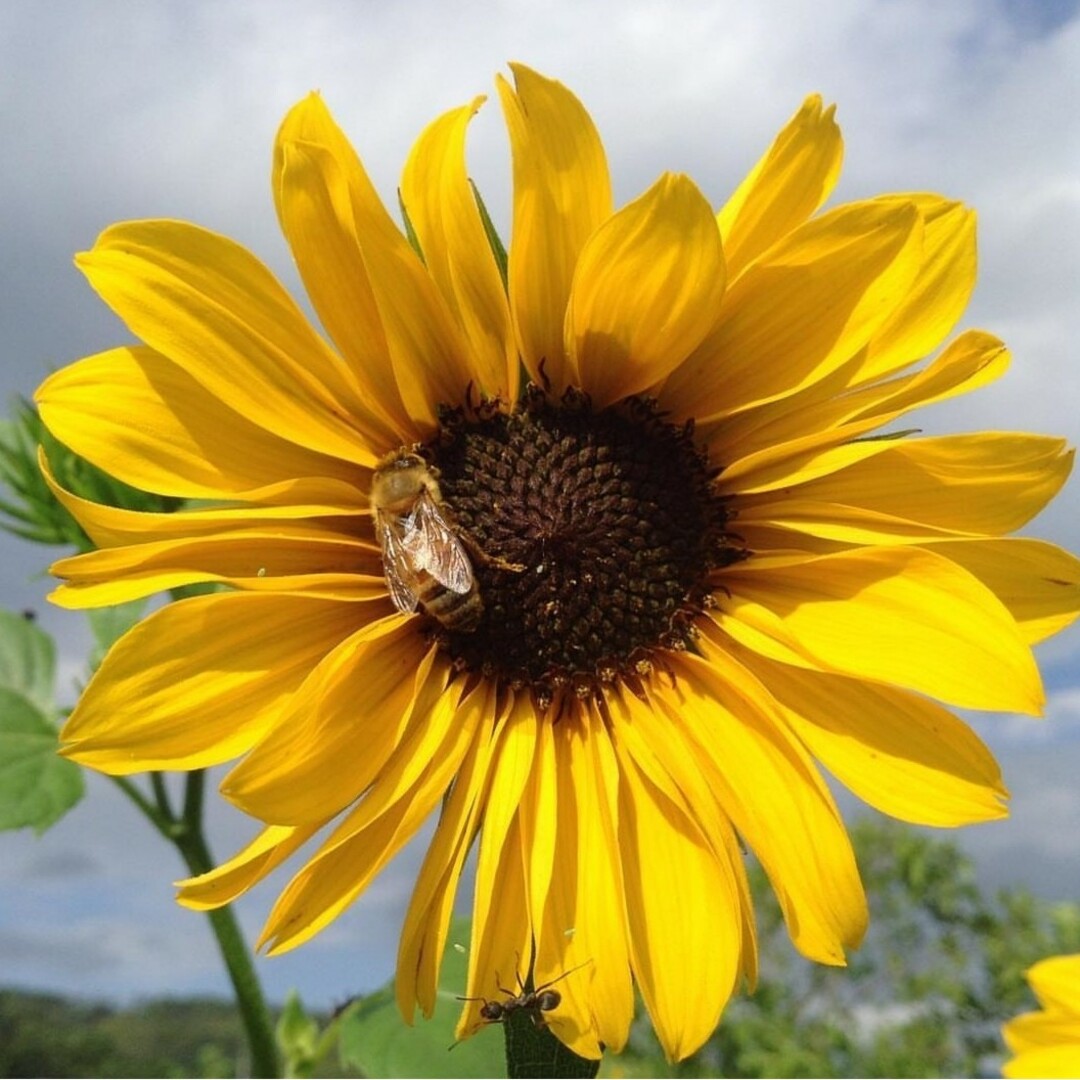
<point x="44" y="1035"/>
<point x="940" y="970"/>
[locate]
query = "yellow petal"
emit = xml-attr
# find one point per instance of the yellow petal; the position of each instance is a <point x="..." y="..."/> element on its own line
<point x="231" y="879"/>
<point x="901" y="754"/>
<point x="666" y="757"/>
<point x="776" y="799"/>
<point x="112" y="526"/>
<point x="584" y="943"/>
<point x="1056" y="982"/>
<point x="500" y="938"/>
<point x="213" y="309"/>
<point x="986" y="483"/>
<point x="501" y="932"/>
<point x="938" y="295"/>
<point x="1038" y="582"/>
<point x="285" y="557"/>
<point x="677" y="949"/>
<point x="427" y="921"/>
<point x="796" y="462"/>
<point x="441" y="205"/>
<point x="315" y="207"/>
<point x="389" y="814"/>
<point x="646" y="290"/>
<point x="897" y="615"/>
<point x="200" y="658"/>
<point x="361" y="694"/>
<point x="562" y="194"/>
<point x="186" y="443"/>
<point x="1061" y="1060"/>
<point x="827" y="414"/>
<point x="792" y="179"/>
<point x="807" y="306"/>
<point x="428" y="354"/>
<point x="538" y="818"/>
<point x="509" y="773"/>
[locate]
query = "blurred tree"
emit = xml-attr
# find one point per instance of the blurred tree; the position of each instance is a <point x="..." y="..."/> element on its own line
<point x="940" y="970"/>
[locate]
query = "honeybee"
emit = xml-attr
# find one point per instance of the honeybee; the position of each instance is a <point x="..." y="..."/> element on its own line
<point x="424" y="561"/>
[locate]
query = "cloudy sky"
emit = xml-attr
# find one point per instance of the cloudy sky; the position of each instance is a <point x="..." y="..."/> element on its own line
<point x="114" y="110"/>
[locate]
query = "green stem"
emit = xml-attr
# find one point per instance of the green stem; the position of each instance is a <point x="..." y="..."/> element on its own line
<point x="186" y="833"/>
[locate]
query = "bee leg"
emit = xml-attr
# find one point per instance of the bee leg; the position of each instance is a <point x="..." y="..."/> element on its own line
<point x="482" y="558"/>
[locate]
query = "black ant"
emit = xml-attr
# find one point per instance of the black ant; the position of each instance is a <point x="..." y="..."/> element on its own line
<point x="536" y="1002"/>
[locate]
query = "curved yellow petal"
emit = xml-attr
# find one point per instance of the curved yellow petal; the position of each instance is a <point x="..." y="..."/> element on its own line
<point x="904" y="755"/>
<point x="1047" y="1043"/>
<point x="315" y="207"/>
<point x="360" y="694"/>
<point x="1060" y="1060"/>
<point x="442" y="208"/>
<point x="796" y="462"/>
<point x="646" y="290"/>
<point x="285" y="557"/>
<point x="807" y="306"/>
<point x="538" y="818"/>
<point x="828" y="414"/>
<point x="113" y="526"/>
<point x="1038" y="582"/>
<point x="399" y="802"/>
<point x="1056" y="982"/>
<point x="200" y="658"/>
<point x="897" y="615"/>
<point x="213" y="309"/>
<point x="562" y="194"/>
<point x="231" y="879"/>
<point x="665" y="756"/>
<point x="427" y="920"/>
<point x="583" y="944"/>
<point x="675" y="938"/>
<point x="770" y="789"/>
<point x="144" y="420"/>
<point x="428" y="354"/>
<point x="501" y="932"/>
<point x="939" y="293"/>
<point x="986" y="483"/>
<point x="790" y="181"/>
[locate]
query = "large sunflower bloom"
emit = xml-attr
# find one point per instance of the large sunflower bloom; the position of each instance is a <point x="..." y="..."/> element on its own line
<point x="698" y="570"/>
<point x="1047" y="1043"/>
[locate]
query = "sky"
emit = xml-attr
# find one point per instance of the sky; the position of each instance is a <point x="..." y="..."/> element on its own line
<point x="115" y="110"/>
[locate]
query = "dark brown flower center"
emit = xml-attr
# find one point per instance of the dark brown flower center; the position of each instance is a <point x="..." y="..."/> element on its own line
<point x="591" y="532"/>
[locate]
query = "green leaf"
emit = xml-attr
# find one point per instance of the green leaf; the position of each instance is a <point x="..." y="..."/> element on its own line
<point x="889" y="436"/>
<point x="410" y="232"/>
<point x="298" y="1037"/>
<point x="37" y="787"/>
<point x="378" y="1042"/>
<point x="532" y="1050"/>
<point x="497" y="247"/>
<point x="27" y="661"/>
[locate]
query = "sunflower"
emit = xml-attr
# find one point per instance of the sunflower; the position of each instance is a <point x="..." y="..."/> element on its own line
<point x="1047" y="1043"/>
<point x="643" y="440"/>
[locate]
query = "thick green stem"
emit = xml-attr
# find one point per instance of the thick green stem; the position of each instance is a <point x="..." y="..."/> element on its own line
<point x="532" y="1050"/>
<point x="186" y="834"/>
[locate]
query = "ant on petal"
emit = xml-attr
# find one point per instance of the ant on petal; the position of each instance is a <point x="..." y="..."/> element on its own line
<point x="536" y="1002"/>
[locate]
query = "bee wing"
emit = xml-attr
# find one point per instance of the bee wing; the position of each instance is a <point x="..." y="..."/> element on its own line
<point x="398" y="567"/>
<point x="434" y="547"/>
